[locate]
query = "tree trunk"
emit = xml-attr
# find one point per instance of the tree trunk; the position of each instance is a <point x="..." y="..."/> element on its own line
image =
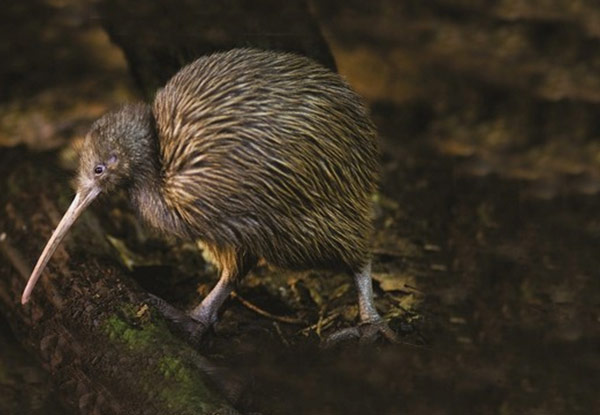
<point x="159" y="37"/>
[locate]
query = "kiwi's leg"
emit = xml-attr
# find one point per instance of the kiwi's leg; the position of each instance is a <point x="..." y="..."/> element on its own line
<point x="195" y="323"/>
<point x="371" y="324"/>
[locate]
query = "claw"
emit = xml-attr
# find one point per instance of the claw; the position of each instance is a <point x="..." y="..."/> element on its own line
<point x="366" y="333"/>
<point x="192" y="329"/>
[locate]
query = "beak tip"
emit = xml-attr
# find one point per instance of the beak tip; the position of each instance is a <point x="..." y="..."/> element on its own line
<point x="24" y="300"/>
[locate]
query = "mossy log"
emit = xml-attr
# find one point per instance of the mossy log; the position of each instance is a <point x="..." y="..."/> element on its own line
<point x="107" y="350"/>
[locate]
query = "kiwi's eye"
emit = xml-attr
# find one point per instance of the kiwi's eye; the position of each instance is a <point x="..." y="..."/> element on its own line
<point x="99" y="169"/>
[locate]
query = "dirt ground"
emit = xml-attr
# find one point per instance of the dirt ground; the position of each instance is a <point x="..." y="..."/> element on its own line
<point x="486" y="249"/>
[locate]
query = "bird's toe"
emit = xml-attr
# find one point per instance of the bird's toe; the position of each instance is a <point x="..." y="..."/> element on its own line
<point x="192" y="330"/>
<point x="365" y="333"/>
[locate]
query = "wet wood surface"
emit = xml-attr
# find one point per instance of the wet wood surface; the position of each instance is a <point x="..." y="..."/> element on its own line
<point x="87" y="322"/>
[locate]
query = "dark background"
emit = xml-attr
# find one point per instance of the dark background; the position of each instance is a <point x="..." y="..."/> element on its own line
<point x="488" y="224"/>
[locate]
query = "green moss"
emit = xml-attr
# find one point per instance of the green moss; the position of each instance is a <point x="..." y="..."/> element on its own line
<point x="137" y="327"/>
<point x="182" y="386"/>
<point x="172" y="367"/>
<point x="135" y="338"/>
<point x="187" y="387"/>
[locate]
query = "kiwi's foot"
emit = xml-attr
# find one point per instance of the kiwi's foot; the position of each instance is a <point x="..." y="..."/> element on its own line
<point x="366" y="333"/>
<point x="193" y="330"/>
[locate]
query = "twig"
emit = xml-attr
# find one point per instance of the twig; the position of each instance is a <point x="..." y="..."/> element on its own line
<point x="257" y="310"/>
<point x="322" y="323"/>
<point x="280" y="333"/>
<point x="14" y="256"/>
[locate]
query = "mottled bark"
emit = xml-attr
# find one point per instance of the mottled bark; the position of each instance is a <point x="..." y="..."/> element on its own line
<point x="108" y="352"/>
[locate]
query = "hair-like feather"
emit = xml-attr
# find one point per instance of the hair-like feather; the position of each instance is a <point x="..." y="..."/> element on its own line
<point x="263" y="154"/>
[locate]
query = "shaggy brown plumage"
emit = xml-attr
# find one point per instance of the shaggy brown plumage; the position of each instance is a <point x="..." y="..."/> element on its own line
<point x="269" y="154"/>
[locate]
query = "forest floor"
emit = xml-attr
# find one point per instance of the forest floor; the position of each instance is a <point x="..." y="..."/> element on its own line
<point x="487" y="226"/>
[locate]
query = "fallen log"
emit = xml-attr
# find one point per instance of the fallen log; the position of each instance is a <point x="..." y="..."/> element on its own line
<point x="88" y="323"/>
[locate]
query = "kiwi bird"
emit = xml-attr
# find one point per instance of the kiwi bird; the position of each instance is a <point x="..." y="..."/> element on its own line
<point x="260" y="155"/>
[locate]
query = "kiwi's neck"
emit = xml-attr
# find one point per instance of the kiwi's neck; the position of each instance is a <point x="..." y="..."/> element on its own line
<point x="146" y="186"/>
<point x="149" y="202"/>
<point x="139" y="142"/>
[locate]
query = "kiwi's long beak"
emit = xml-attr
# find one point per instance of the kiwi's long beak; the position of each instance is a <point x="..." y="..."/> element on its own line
<point x="80" y="202"/>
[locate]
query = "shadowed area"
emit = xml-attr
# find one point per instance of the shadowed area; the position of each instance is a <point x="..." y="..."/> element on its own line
<point x="486" y="249"/>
